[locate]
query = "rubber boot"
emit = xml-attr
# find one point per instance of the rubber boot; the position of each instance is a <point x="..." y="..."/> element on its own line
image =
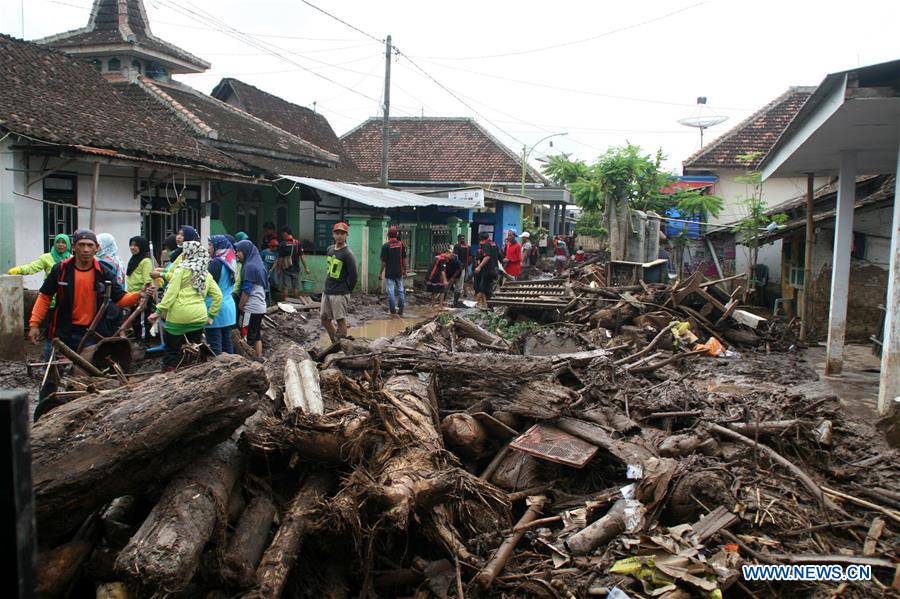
<point x="400" y="310"/>
<point x="456" y="302"/>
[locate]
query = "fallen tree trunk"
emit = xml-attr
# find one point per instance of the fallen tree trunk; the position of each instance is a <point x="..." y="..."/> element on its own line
<point x="164" y="553"/>
<point x="279" y="558"/>
<point x="301" y="387"/>
<point x="99" y="447"/>
<point x="319" y="439"/>
<point x="248" y="542"/>
<point x="466" y="328"/>
<point x="411" y="473"/>
<point x="626" y="515"/>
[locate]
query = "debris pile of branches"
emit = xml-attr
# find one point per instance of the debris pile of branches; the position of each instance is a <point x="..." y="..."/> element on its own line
<point x="446" y="462"/>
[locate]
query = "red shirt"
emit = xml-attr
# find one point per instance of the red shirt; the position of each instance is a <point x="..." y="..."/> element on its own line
<point x="514" y="258"/>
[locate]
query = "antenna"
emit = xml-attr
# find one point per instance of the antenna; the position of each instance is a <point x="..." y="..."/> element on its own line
<point x="703" y="119"/>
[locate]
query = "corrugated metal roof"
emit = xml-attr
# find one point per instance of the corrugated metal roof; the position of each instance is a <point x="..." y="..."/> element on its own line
<point x="377" y="197"/>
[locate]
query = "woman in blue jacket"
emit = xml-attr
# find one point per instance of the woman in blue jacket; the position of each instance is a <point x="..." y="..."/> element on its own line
<point x="222" y="267"/>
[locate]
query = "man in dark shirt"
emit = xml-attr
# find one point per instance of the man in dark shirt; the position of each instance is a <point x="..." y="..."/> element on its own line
<point x="463" y="252"/>
<point x="455" y="272"/>
<point x="290" y="256"/>
<point x="486" y="262"/>
<point x="340" y="279"/>
<point x="393" y="269"/>
<point x="436" y="281"/>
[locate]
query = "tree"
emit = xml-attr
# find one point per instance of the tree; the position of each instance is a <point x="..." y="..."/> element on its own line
<point x="756" y="220"/>
<point x="622" y="179"/>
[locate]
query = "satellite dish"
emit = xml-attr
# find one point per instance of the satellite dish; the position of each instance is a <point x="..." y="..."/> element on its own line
<point x="704" y="119"/>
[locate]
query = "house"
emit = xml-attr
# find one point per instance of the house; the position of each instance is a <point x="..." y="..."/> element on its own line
<point x="74" y="152"/>
<point x="456" y="155"/>
<point x="869" y="258"/>
<point x="720" y="159"/>
<point x="848" y="128"/>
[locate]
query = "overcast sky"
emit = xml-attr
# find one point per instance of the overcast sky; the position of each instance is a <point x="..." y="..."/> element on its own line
<point x="603" y="72"/>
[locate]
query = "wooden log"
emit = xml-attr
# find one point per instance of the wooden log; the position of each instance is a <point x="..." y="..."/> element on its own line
<point x="624" y="515"/>
<point x="466" y="328"/>
<point x="312" y="391"/>
<point x="323" y="440"/>
<point x="165" y="552"/>
<point x="871" y="543"/>
<point x="76" y="358"/>
<point x="99" y="447"/>
<point x="58" y="567"/>
<point x="250" y="539"/>
<point x="485" y="578"/>
<point x="278" y="560"/>
<point x="771" y="426"/>
<point x="464" y="435"/>
<point x="294" y="397"/>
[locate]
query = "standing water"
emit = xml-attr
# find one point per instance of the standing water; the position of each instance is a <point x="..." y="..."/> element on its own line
<point x="375" y="329"/>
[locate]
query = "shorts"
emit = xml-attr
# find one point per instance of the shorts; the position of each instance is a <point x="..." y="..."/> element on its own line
<point x="335" y="307"/>
<point x="251" y="327"/>
<point x="288" y="280"/>
<point x="434" y="288"/>
<point x="484" y="283"/>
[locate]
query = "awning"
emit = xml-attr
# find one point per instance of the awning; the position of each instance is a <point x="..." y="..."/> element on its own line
<point x="378" y="197"/>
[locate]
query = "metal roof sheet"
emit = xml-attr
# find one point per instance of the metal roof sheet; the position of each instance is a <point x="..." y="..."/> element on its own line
<point x="378" y="197"/>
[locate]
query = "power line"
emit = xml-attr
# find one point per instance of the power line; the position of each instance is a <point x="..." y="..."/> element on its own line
<point x="574" y="42"/>
<point x="340" y="20"/>
<point x="576" y="91"/>
<point x="227" y="29"/>
<point x="459" y="99"/>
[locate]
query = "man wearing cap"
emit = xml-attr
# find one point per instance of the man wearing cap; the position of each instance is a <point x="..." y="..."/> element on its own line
<point x="80" y="285"/>
<point x="393" y="269"/>
<point x="512" y="258"/>
<point x="340" y="279"/>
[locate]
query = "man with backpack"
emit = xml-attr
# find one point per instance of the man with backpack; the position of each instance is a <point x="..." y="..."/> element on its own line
<point x="487" y="261"/>
<point x="290" y="256"/>
<point x="393" y="269"/>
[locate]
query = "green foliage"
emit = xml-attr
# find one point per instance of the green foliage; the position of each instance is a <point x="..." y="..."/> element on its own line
<point x="590" y="223"/>
<point x="693" y="202"/>
<point x="493" y="322"/>
<point x="625" y="172"/>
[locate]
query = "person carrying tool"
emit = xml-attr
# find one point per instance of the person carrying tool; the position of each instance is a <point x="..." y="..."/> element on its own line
<point x="487" y="261"/>
<point x="59" y="251"/>
<point x="80" y="285"/>
<point x="436" y="281"/>
<point x="340" y="279"/>
<point x="393" y="269"/>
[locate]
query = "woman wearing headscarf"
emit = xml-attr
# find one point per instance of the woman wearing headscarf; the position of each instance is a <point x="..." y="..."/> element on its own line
<point x="184" y="304"/>
<point x="108" y="254"/>
<point x="184" y="233"/>
<point x="137" y="276"/>
<point x="254" y="282"/>
<point x="59" y="251"/>
<point x="222" y="267"/>
<point x="241" y="236"/>
<point x="169" y="251"/>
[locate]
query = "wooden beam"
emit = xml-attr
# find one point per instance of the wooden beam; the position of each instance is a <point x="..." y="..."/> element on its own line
<point x="96" y="183"/>
<point x="46" y="173"/>
<point x="806" y="313"/>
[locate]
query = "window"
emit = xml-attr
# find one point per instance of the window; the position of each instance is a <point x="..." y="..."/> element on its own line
<point x="114" y="64"/>
<point x="214" y="210"/>
<point x="157" y="71"/>
<point x="58" y="218"/>
<point x="136" y="65"/>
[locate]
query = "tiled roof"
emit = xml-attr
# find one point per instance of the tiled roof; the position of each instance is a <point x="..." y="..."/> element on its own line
<point x="298" y="120"/>
<point x="54" y="98"/>
<point x="121" y="22"/>
<point x="757" y="133"/>
<point x="234" y="126"/>
<point x="436" y="149"/>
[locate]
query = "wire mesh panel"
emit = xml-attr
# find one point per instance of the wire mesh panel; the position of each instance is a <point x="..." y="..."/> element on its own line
<point x="440" y="239"/>
<point x="59" y="219"/>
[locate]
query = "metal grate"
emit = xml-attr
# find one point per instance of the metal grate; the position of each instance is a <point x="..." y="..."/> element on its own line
<point x="550" y="443"/>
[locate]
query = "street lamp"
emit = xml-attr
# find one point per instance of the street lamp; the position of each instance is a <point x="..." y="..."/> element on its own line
<point x="526" y="153"/>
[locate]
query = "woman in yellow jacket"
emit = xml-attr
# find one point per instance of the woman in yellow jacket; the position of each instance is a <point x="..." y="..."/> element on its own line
<point x="184" y="305"/>
<point x="59" y="251"/>
<point x="137" y="276"/>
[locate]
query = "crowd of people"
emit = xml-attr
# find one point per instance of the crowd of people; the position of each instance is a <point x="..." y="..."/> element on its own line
<point x="194" y="292"/>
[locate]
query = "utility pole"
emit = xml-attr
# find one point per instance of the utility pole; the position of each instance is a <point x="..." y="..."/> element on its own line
<point x="386" y="126"/>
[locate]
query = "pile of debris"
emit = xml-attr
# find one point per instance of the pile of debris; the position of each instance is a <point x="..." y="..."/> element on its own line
<point x="447" y="462"/>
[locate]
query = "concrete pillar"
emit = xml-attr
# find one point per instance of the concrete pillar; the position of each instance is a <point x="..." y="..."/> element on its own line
<point x="889" y="388"/>
<point x="8" y="206"/>
<point x="840" y="263"/>
<point x="12" y="317"/>
<point x="358" y="240"/>
<point x="422" y="241"/>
